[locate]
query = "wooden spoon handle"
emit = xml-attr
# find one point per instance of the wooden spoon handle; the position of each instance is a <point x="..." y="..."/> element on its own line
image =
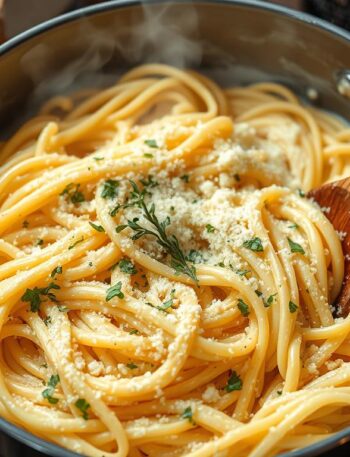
<point x="336" y="198"/>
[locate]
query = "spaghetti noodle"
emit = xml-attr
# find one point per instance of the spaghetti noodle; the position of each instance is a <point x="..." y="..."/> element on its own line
<point x="166" y="287"/>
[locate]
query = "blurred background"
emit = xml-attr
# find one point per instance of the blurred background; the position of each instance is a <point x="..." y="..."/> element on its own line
<point x="19" y="15"/>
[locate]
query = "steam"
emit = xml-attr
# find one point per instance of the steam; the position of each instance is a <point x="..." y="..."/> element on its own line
<point x="159" y="33"/>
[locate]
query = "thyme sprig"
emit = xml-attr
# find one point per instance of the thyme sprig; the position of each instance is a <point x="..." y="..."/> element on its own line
<point x="169" y="242"/>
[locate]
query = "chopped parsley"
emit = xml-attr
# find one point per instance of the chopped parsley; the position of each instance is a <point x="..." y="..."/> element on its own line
<point x="269" y="301"/>
<point x="96" y="227"/>
<point x="258" y="292"/>
<point x="254" y="244"/>
<point x="37" y="295"/>
<point x="188" y="414"/>
<point x="48" y="393"/>
<point x="234" y="382"/>
<point x="210" y="228"/>
<point x="148" y="155"/>
<point x="56" y="271"/>
<point x="169" y="303"/>
<point x="151" y="143"/>
<point x="131" y="365"/>
<point x="115" y="291"/>
<point x="301" y="193"/>
<point x="185" y="178"/>
<point x="295" y="247"/>
<point x="73" y="193"/>
<point x="243" y="307"/>
<point x="83" y="406"/>
<point x="25" y="224"/>
<point x="126" y="266"/>
<point x="98" y="158"/>
<point x="134" y="332"/>
<point x="279" y="392"/>
<point x="39" y="242"/>
<point x="242" y="272"/>
<point x="292" y="307"/>
<point x="237" y="177"/>
<point x="76" y="243"/>
<point x="293" y="226"/>
<point x="110" y="189"/>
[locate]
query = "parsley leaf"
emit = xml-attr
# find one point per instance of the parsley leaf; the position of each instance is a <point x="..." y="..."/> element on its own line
<point x="234" y="382"/>
<point x="269" y="301"/>
<point x="134" y="332"/>
<point x="210" y="228"/>
<point x="295" y="247"/>
<point x="151" y="143"/>
<point x="83" y="406"/>
<point x="242" y="272"/>
<point x="126" y="266"/>
<point x="131" y="365"/>
<point x="115" y="291"/>
<point x="56" y="271"/>
<point x="292" y="307"/>
<point x="110" y="189"/>
<point x="169" y="303"/>
<point x="35" y="296"/>
<point x="254" y="244"/>
<point x="48" y="393"/>
<point x="73" y="193"/>
<point x="185" y="178"/>
<point x="188" y="414"/>
<point x="301" y="193"/>
<point x="293" y="226"/>
<point x="98" y="228"/>
<point x="243" y="307"/>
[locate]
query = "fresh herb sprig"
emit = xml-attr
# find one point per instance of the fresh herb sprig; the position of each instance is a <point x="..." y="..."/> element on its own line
<point x="37" y="295"/>
<point x="169" y="242"/>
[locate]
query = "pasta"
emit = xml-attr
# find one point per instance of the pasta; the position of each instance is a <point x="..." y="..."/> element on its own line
<point x="166" y="288"/>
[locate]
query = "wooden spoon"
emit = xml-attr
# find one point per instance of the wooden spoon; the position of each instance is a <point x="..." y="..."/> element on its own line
<point x="336" y="197"/>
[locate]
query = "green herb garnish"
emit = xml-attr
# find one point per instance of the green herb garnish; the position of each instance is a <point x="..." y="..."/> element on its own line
<point x="169" y="242"/>
<point x="110" y="189"/>
<point x="83" y="406"/>
<point x="37" y="295"/>
<point x="126" y="266"/>
<point x="188" y="414"/>
<point x="131" y="365"/>
<point x="185" y="178"/>
<point x="295" y="247"/>
<point x="269" y="301"/>
<point x="242" y="272"/>
<point x="237" y="177"/>
<point x="243" y="307"/>
<point x="210" y="228"/>
<point x="96" y="227"/>
<point x="254" y="244"/>
<point x="56" y="271"/>
<point x="151" y="143"/>
<point x="48" y="393"/>
<point x="292" y="307"/>
<point x="73" y="193"/>
<point x="115" y="291"/>
<point x="234" y="382"/>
